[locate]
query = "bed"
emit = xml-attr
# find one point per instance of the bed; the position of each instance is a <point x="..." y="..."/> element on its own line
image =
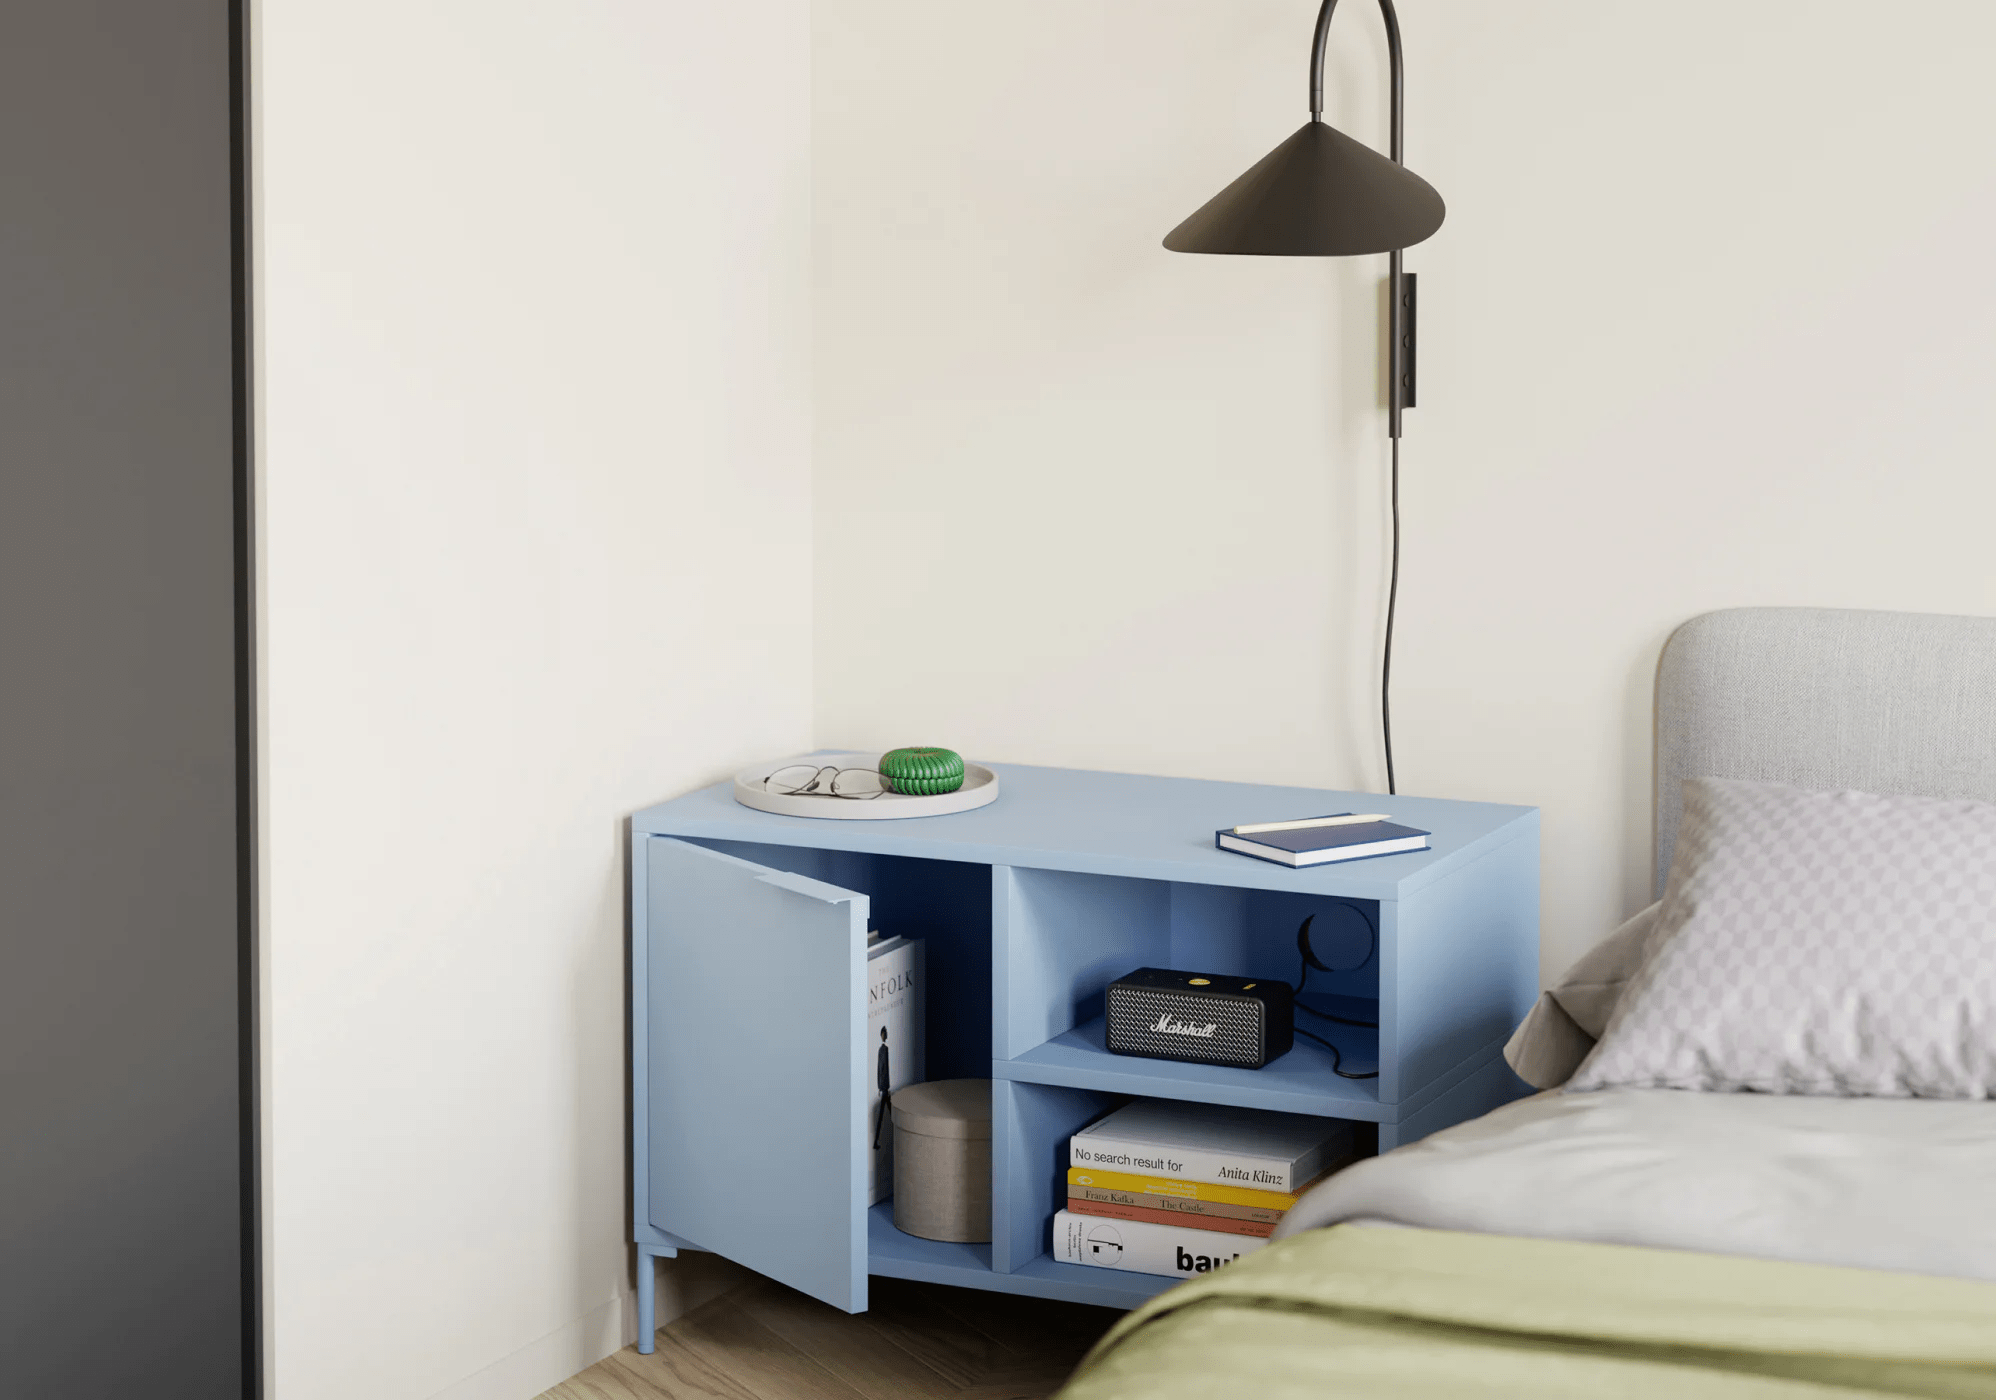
<point x="1638" y="1240"/>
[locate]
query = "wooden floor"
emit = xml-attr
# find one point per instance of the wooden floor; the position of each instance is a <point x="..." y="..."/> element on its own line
<point x="763" y="1341"/>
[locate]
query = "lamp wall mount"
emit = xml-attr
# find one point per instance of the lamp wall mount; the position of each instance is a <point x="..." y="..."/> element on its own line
<point x="1402" y="318"/>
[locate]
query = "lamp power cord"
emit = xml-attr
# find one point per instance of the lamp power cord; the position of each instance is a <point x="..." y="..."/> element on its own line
<point x="1392" y="608"/>
<point x="1309" y="959"/>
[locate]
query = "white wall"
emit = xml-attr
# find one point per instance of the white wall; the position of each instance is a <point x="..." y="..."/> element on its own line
<point x="535" y="333"/>
<point x="1708" y="325"/>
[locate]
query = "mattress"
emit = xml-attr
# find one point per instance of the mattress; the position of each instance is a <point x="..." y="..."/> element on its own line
<point x="1897" y="1184"/>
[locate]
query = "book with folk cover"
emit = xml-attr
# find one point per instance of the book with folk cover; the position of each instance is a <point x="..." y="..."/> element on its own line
<point x="895" y="983"/>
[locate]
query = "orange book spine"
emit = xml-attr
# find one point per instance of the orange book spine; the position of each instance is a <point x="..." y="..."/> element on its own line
<point x="1218" y="1224"/>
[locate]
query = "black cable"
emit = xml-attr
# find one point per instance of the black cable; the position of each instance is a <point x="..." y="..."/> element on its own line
<point x="1392" y="606"/>
<point x="1307" y="956"/>
<point x="1309" y="959"/>
<point x="1337" y="1058"/>
<point x="1341" y="1020"/>
<point x="1304" y="976"/>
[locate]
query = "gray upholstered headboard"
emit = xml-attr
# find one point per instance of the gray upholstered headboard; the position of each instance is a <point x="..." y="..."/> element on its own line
<point x="1877" y="701"/>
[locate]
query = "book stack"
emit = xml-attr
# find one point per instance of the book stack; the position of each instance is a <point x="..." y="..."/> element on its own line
<point x="1180" y="1188"/>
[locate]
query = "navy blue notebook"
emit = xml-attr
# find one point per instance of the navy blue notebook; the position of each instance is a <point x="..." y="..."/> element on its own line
<point x="1321" y="840"/>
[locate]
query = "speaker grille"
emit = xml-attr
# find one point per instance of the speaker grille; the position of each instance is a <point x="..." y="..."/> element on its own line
<point x="1238" y="1038"/>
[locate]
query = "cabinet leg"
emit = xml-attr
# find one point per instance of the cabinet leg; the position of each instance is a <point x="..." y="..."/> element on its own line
<point x="647" y="1311"/>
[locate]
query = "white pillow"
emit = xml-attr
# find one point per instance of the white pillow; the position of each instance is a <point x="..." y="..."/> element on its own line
<point x="1555" y="1037"/>
<point x="1816" y="943"/>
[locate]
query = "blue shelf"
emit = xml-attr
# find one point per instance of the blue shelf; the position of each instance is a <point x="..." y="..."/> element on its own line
<point x="893" y="1254"/>
<point x="1045" y="1277"/>
<point x="1125" y="824"/>
<point x="897" y="1254"/>
<point x="1300" y="1082"/>
<point x="1028" y="909"/>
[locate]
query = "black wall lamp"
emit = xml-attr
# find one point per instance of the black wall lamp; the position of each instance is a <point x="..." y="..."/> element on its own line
<point x="1320" y="194"/>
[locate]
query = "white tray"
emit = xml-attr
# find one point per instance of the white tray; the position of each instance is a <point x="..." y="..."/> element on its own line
<point x="980" y="788"/>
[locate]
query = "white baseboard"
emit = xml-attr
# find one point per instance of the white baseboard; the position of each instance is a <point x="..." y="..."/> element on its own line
<point x="604" y="1329"/>
<point x="683" y="1285"/>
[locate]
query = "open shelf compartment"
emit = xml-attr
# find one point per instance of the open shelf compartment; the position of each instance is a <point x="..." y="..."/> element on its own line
<point x="1302" y="1081"/>
<point x="1062" y="937"/>
<point x="1031" y="1125"/>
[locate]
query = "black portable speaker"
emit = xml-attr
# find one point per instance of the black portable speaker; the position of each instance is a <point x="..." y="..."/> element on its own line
<point x="1202" y="1017"/>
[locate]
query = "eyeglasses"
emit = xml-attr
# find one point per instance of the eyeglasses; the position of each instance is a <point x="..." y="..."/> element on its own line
<point x="809" y="780"/>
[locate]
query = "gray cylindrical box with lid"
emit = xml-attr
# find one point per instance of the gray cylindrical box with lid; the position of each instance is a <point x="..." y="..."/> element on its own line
<point x="942" y="1160"/>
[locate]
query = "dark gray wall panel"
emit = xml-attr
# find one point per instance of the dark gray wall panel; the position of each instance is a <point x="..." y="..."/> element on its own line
<point x="121" y="1171"/>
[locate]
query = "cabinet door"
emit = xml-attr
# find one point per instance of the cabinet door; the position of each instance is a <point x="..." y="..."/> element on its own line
<point x="756" y="1095"/>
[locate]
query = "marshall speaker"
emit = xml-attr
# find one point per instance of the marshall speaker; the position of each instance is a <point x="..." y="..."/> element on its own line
<point x="1202" y="1017"/>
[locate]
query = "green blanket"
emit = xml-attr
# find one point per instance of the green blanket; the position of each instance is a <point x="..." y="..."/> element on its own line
<point x="1351" y="1312"/>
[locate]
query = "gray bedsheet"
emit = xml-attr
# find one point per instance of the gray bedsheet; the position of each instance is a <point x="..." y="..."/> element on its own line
<point x="1900" y="1184"/>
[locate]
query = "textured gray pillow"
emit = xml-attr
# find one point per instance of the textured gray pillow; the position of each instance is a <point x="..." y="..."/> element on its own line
<point x="1816" y="943"/>
<point x="1556" y="1035"/>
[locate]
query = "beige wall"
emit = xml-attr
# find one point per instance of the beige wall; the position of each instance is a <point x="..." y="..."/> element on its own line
<point x="535" y="331"/>
<point x="536" y="325"/>
<point x="1709" y="325"/>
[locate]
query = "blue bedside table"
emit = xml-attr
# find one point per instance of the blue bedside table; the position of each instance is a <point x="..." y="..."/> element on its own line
<point x="748" y="1014"/>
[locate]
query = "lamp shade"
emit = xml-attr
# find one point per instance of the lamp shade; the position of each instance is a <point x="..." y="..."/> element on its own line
<point x="1319" y="194"/>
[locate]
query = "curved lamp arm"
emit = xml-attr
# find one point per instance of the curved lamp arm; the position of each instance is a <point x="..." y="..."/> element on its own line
<point x="1400" y="295"/>
<point x="1321" y="47"/>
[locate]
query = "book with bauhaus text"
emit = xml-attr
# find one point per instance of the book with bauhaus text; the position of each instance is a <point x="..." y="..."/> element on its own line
<point x="1144" y="1248"/>
<point x="1214" y="1143"/>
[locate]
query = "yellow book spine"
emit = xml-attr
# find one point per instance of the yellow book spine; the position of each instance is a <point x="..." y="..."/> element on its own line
<point x="1185" y="1190"/>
